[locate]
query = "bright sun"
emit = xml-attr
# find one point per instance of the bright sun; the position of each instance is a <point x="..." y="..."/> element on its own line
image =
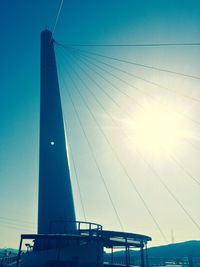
<point x="159" y="129"/>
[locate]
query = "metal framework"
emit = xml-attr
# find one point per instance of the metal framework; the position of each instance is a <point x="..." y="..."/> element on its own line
<point x="88" y="232"/>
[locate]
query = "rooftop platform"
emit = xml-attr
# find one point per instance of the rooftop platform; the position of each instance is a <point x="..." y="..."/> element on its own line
<point x="89" y="234"/>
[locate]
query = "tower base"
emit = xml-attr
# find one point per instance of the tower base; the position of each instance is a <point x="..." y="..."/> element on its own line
<point x="83" y="248"/>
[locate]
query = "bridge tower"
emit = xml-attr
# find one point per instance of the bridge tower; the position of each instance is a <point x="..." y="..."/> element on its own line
<point x="61" y="240"/>
<point x="55" y="203"/>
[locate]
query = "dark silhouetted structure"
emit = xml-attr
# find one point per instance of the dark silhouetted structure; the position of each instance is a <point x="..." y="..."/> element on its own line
<point x="55" y="192"/>
<point x="61" y="240"/>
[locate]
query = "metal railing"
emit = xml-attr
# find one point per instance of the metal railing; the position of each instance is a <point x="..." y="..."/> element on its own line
<point x="77" y="227"/>
<point x="7" y="260"/>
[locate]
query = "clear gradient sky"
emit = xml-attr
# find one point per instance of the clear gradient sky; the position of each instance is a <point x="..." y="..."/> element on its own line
<point x="105" y="22"/>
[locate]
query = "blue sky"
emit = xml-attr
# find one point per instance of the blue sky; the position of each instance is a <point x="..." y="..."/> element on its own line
<point x="99" y="22"/>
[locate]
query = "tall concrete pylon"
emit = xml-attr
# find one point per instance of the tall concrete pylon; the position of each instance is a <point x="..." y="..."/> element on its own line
<point x="59" y="243"/>
<point x="55" y="203"/>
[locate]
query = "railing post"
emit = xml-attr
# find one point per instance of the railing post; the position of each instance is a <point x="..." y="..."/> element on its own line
<point x="112" y="255"/>
<point x="90" y="229"/>
<point x="79" y="226"/>
<point x="146" y="253"/>
<point x="126" y="253"/>
<point x="19" y="252"/>
<point x="142" y="256"/>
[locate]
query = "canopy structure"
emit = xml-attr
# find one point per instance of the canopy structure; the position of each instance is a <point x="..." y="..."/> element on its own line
<point x="89" y="234"/>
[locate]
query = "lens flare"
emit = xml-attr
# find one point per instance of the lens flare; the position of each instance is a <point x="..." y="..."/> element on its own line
<point x="159" y="129"/>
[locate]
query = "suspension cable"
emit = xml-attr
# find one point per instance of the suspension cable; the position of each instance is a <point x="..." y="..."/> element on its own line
<point x="135" y="63"/>
<point x="134" y="87"/>
<point x="140" y="78"/>
<point x="76" y="174"/>
<point x="172" y="157"/>
<point x="57" y="17"/>
<point x="135" y="45"/>
<point x="122" y="165"/>
<point x="152" y="169"/>
<point x="92" y="152"/>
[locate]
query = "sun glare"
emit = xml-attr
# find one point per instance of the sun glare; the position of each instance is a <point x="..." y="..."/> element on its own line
<point x="158" y="129"/>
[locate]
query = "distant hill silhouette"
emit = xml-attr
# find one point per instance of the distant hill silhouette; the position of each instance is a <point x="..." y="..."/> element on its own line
<point x="12" y="250"/>
<point x="183" y="249"/>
